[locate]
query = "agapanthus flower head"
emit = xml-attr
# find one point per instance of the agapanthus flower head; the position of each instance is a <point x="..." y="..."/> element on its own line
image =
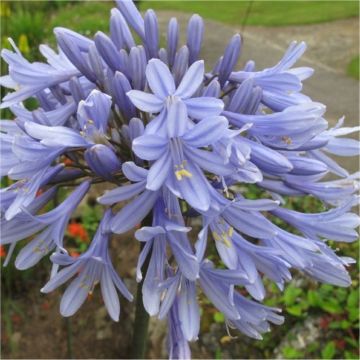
<point x="178" y="143"/>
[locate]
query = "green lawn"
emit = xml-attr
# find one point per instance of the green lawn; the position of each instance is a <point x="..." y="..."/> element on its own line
<point x="353" y="68"/>
<point x="268" y="13"/>
<point x="84" y="17"/>
<point x="88" y="17"/>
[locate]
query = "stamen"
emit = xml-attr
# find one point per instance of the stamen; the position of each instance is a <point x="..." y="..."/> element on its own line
<point x="182" y="172"/>
<point x="287" y="140"/>
<point x="223" y="238"/>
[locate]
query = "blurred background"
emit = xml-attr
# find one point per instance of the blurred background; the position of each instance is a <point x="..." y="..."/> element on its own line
<point x="322" y="321"/>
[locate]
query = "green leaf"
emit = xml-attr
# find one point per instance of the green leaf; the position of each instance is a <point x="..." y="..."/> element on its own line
<point x="351" y="341"/>
<point x="353" y="300"/>
<point x="353" y="315"/>
<point x="313" y="298"/>
<point x="335" y="325"/>
<point x="345" y="324"/>
<point x="218" y="353"/>
<point x="219" y="317"/>
<point x="350" y="355"/>
<point x="290" y="295"/>
<point x="295" y="310"/>
<point x="329" y="350"/>
<point x="291" y="353"/>
<point x="332" y="306"/>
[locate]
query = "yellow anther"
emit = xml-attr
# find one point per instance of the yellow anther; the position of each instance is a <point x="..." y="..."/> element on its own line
<point x="216" y="236"/>
<point x="230" y="231"/>
<point x="182" y="173"/>
<point x="37" y="249"/>
<point x="223" y="238"/>
<point x="286" y="140"/>
<point x="227" y="242"/>
<point x="84" y="285"/>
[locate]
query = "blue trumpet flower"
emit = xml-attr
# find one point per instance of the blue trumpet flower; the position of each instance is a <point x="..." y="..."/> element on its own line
<point x="176" y="147"/>
<point x="92" y="267"/>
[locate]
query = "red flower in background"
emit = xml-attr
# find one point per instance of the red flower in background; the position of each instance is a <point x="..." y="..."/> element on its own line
<point x="74" y="254"/>
<point x="78" y="231"/>
<point x="2" y="251"/>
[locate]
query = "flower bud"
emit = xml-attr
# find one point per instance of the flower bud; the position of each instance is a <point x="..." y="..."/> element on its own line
<point x="103" y="161"/>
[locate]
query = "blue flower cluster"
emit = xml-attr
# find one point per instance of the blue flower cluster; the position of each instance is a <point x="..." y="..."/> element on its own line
<point x="178" y="141"/>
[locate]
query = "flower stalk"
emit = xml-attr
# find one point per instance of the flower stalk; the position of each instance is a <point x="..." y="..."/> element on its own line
<point x="141" y="323"/>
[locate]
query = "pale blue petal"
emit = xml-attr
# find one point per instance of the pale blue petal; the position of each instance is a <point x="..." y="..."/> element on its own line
<point x="186" y="261"/>
<point x="194" y="189"/>
<point x="147" y="233"/>
<point x="134" y="172"/>
<point x="191" y="80"/>
<point x="55" y="135"/>
<point x="202" y="107"/>
<point x="149" y="147"/>
<point x="189" y="312"/>
<point x="132" y="213"/>
<point x="121" y="193"/>
<point x="159" y="172"/>
<point x="209" y="161"/>
<point x="170" y="295"/>
<point x="145" y="101"/>
<point x="74" y="296"/>
<point x="177" y="119"/>
<point x="61" y="277"/>
<point x="132" y="16"/>
<point x="160" y="80"/>
<point x="110" y="295"/>
<point x="207" y="131"/>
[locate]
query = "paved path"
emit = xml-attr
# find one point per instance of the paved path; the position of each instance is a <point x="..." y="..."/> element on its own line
<point x="337" y="43"/>
<point x="330" y="47"/>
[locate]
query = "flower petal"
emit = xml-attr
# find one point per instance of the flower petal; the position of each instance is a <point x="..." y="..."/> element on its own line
<point x="201" y="107"/>
<point x="55" y="135"/>
<point x="132" y="214"/>
<point x="110" y="295"/>
<point x="160" y="80"/>
<point x="191" y="80"/>
<point x="189" y="312"/>
<point x="121" y="193"/>
<point x="74" y="296"/>
<point x="134" y="172"/>
<point x="145" y="101"/>
<point x="149" y="147"/>
<point x="177" y="120"/>
<point x="158" y="172"/>
<point x="207" y="131"/>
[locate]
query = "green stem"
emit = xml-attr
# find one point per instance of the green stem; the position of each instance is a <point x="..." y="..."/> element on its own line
<point x="141" y="323"/>
<point x="69" y="347"/>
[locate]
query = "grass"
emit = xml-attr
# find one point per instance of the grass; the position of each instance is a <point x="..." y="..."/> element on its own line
<point x="353" y="68"/>
<point x="267" y="13"/>
<point x="84" y="17"/>
<point x="91" y="16"/>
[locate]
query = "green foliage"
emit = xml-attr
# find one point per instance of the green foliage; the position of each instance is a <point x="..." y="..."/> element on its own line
<point x="337" y="308"/>
<point x="266" y="13"/>
<point x="353" y="68"/>
<point x="291" y="353"/>
<point x="328" y="352"/>
<point x="219" y="317"/>
<point x="84" y="17"/>
<point x="29" y="24"/>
